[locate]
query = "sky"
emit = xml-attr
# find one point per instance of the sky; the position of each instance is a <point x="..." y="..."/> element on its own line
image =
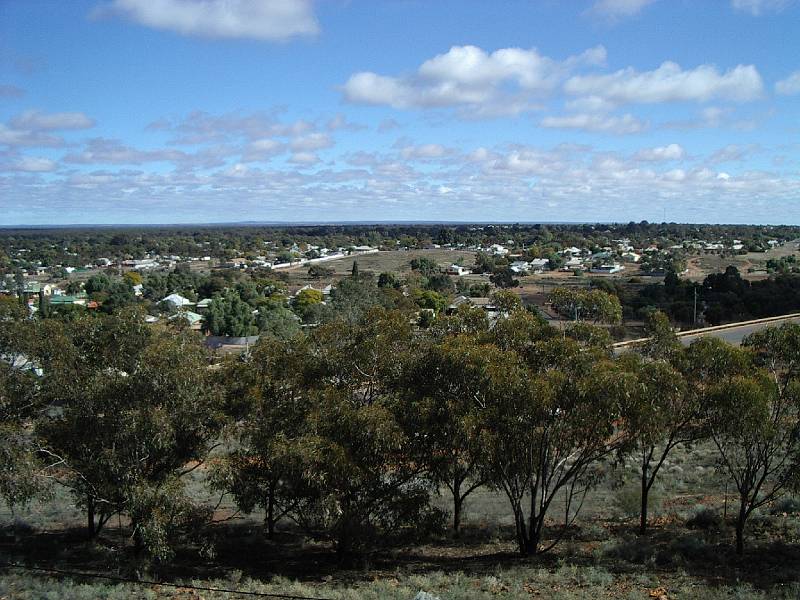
<point x="202" y="111"/>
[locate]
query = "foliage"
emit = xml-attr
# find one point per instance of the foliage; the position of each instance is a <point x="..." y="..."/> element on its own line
<point x="595" y="305"/>
<point x="133" y="415"/>
<point x="229" y="315"/>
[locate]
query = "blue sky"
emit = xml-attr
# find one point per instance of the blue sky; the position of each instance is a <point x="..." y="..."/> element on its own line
<point x="168" y="111"/>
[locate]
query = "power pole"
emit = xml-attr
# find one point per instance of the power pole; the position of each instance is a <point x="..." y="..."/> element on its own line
<point x="694" y="319"/>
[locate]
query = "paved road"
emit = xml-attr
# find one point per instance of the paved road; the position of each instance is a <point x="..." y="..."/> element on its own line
<point x="735" y="335"/>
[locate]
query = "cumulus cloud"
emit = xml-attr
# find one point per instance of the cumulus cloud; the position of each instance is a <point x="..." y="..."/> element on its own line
<point x="304" y="159"/>
<point x="268" y="20"/>
<point x="200" y="127"/>
<point x="670" y="83"/>
<point x="789" y="86"/>
<point x="33" y="164"/>
<point x="625" y="124"/>
<point x="312" y="141"/>
<point x="108" y="151"/>
<point x="618" y="9"/>
<point x="423" y="151"/>
<point x="12" y="137"/>
<point x="565" y="182"/>
<point x="759" y="7"/>
<point x="661" y="153"/>
<point x="35" y="120"/>
<point x="508" y="80"/>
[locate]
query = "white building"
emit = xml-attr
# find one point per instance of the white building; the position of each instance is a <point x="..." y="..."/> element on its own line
<point x="457" y="270"/>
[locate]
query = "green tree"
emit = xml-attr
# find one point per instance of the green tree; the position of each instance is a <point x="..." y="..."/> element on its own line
<point x="660" y="414"/>
<point x="442" y="386"/>
<point x="19" y="467"/>
<point x="229" y="315"/>
<point x="138" y="406"/>
<point x="266" y="400"/>
<point x="592" y="305"/>
<point x="754" y="426"/>
<point x="426" y="266"/>
<point x="319" y="271"/>
<point x="388" y="280"/>
<point x="504" y="278"/>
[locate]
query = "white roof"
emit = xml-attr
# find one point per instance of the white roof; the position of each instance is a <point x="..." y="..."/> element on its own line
<point x="178" y="300"/>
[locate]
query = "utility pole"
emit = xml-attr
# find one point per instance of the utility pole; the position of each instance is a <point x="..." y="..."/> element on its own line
<point x="694" y="319"/>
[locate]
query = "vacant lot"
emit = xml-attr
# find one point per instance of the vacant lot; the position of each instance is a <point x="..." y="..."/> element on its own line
<point x="701" y="266"/>
<point x="395" y="261"/>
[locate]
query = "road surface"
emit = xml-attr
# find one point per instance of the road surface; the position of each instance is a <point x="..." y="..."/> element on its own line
<point x="732" y="333"/>
<point x="735" y="335"/>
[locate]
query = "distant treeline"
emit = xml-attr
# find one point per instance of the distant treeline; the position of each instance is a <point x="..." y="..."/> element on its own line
<point x="76" y="247"/>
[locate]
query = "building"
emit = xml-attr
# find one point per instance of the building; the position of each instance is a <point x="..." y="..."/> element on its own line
<point x="177" y="301"/>
<point x="458" y="270"/>
<point x="608" y="268"/>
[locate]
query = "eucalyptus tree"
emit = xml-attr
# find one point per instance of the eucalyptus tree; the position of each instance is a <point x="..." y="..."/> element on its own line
<point x="754" y="425"/>
<point x="134" y="408"/>
<point x="660" y="414"/>
<point x="552" y="415"/>
<point x="269" y="408"/>
<point x="354" y="470"/>
<point x="444" y="387"/>
<point x="754" y="418"/>
<point x="19" y="465"/>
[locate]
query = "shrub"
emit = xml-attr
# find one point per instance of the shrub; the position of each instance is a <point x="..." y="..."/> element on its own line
<point x="627" y="500"/>
<point x="704" y="518"/>
<point x="789" y="504"/>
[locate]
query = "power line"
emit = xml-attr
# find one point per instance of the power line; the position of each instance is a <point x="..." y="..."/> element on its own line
<point x="148" y="582"/>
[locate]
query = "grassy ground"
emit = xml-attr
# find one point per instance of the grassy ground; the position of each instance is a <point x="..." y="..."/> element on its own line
<point x="392" y="262"/>
<point x="603" y="556"/>
<point x="701" y="266"/>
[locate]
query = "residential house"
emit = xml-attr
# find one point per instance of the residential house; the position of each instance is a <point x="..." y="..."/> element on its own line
<point x="177" y="301"/>
<point x="607" y="268"/>
<point x="457" y="270"/>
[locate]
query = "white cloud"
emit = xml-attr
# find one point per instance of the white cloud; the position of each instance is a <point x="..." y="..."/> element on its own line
<point x="504" y="81"/>
<point x="270" y="20"/>
<point x="34" y="120"/>
<point x="731" y="153"/>
<point x="20" y="137"/>
<point x="618" y="9"/>
<point x="625" y="124"/>
<point x="759" y="7"/>
<point x="710" y="117"/>
<point x="789" y="86"/>
<point x="340" y="122"/>
<point x="304" y="158"/>
<point x="33" y="164"/>
<point x="592" y="104"/>
<point x="661" y="153"/>
<point x="670" y="83"/>
<point x="423" y="151"/>
<point x="312" y="141"/>
<point x="107" y="151"/>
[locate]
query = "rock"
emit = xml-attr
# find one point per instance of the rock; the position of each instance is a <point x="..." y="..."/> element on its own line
<point x="425" y="596"/>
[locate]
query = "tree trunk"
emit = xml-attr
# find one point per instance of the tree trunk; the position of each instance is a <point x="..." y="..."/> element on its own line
<point x="457" y="505"/>
<point x="90" y="527"/>
<point x="643" y="510"/>
<point x="740" y="521"/>
<point x="522" y="538"/>
<point x="271" y="512"/>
